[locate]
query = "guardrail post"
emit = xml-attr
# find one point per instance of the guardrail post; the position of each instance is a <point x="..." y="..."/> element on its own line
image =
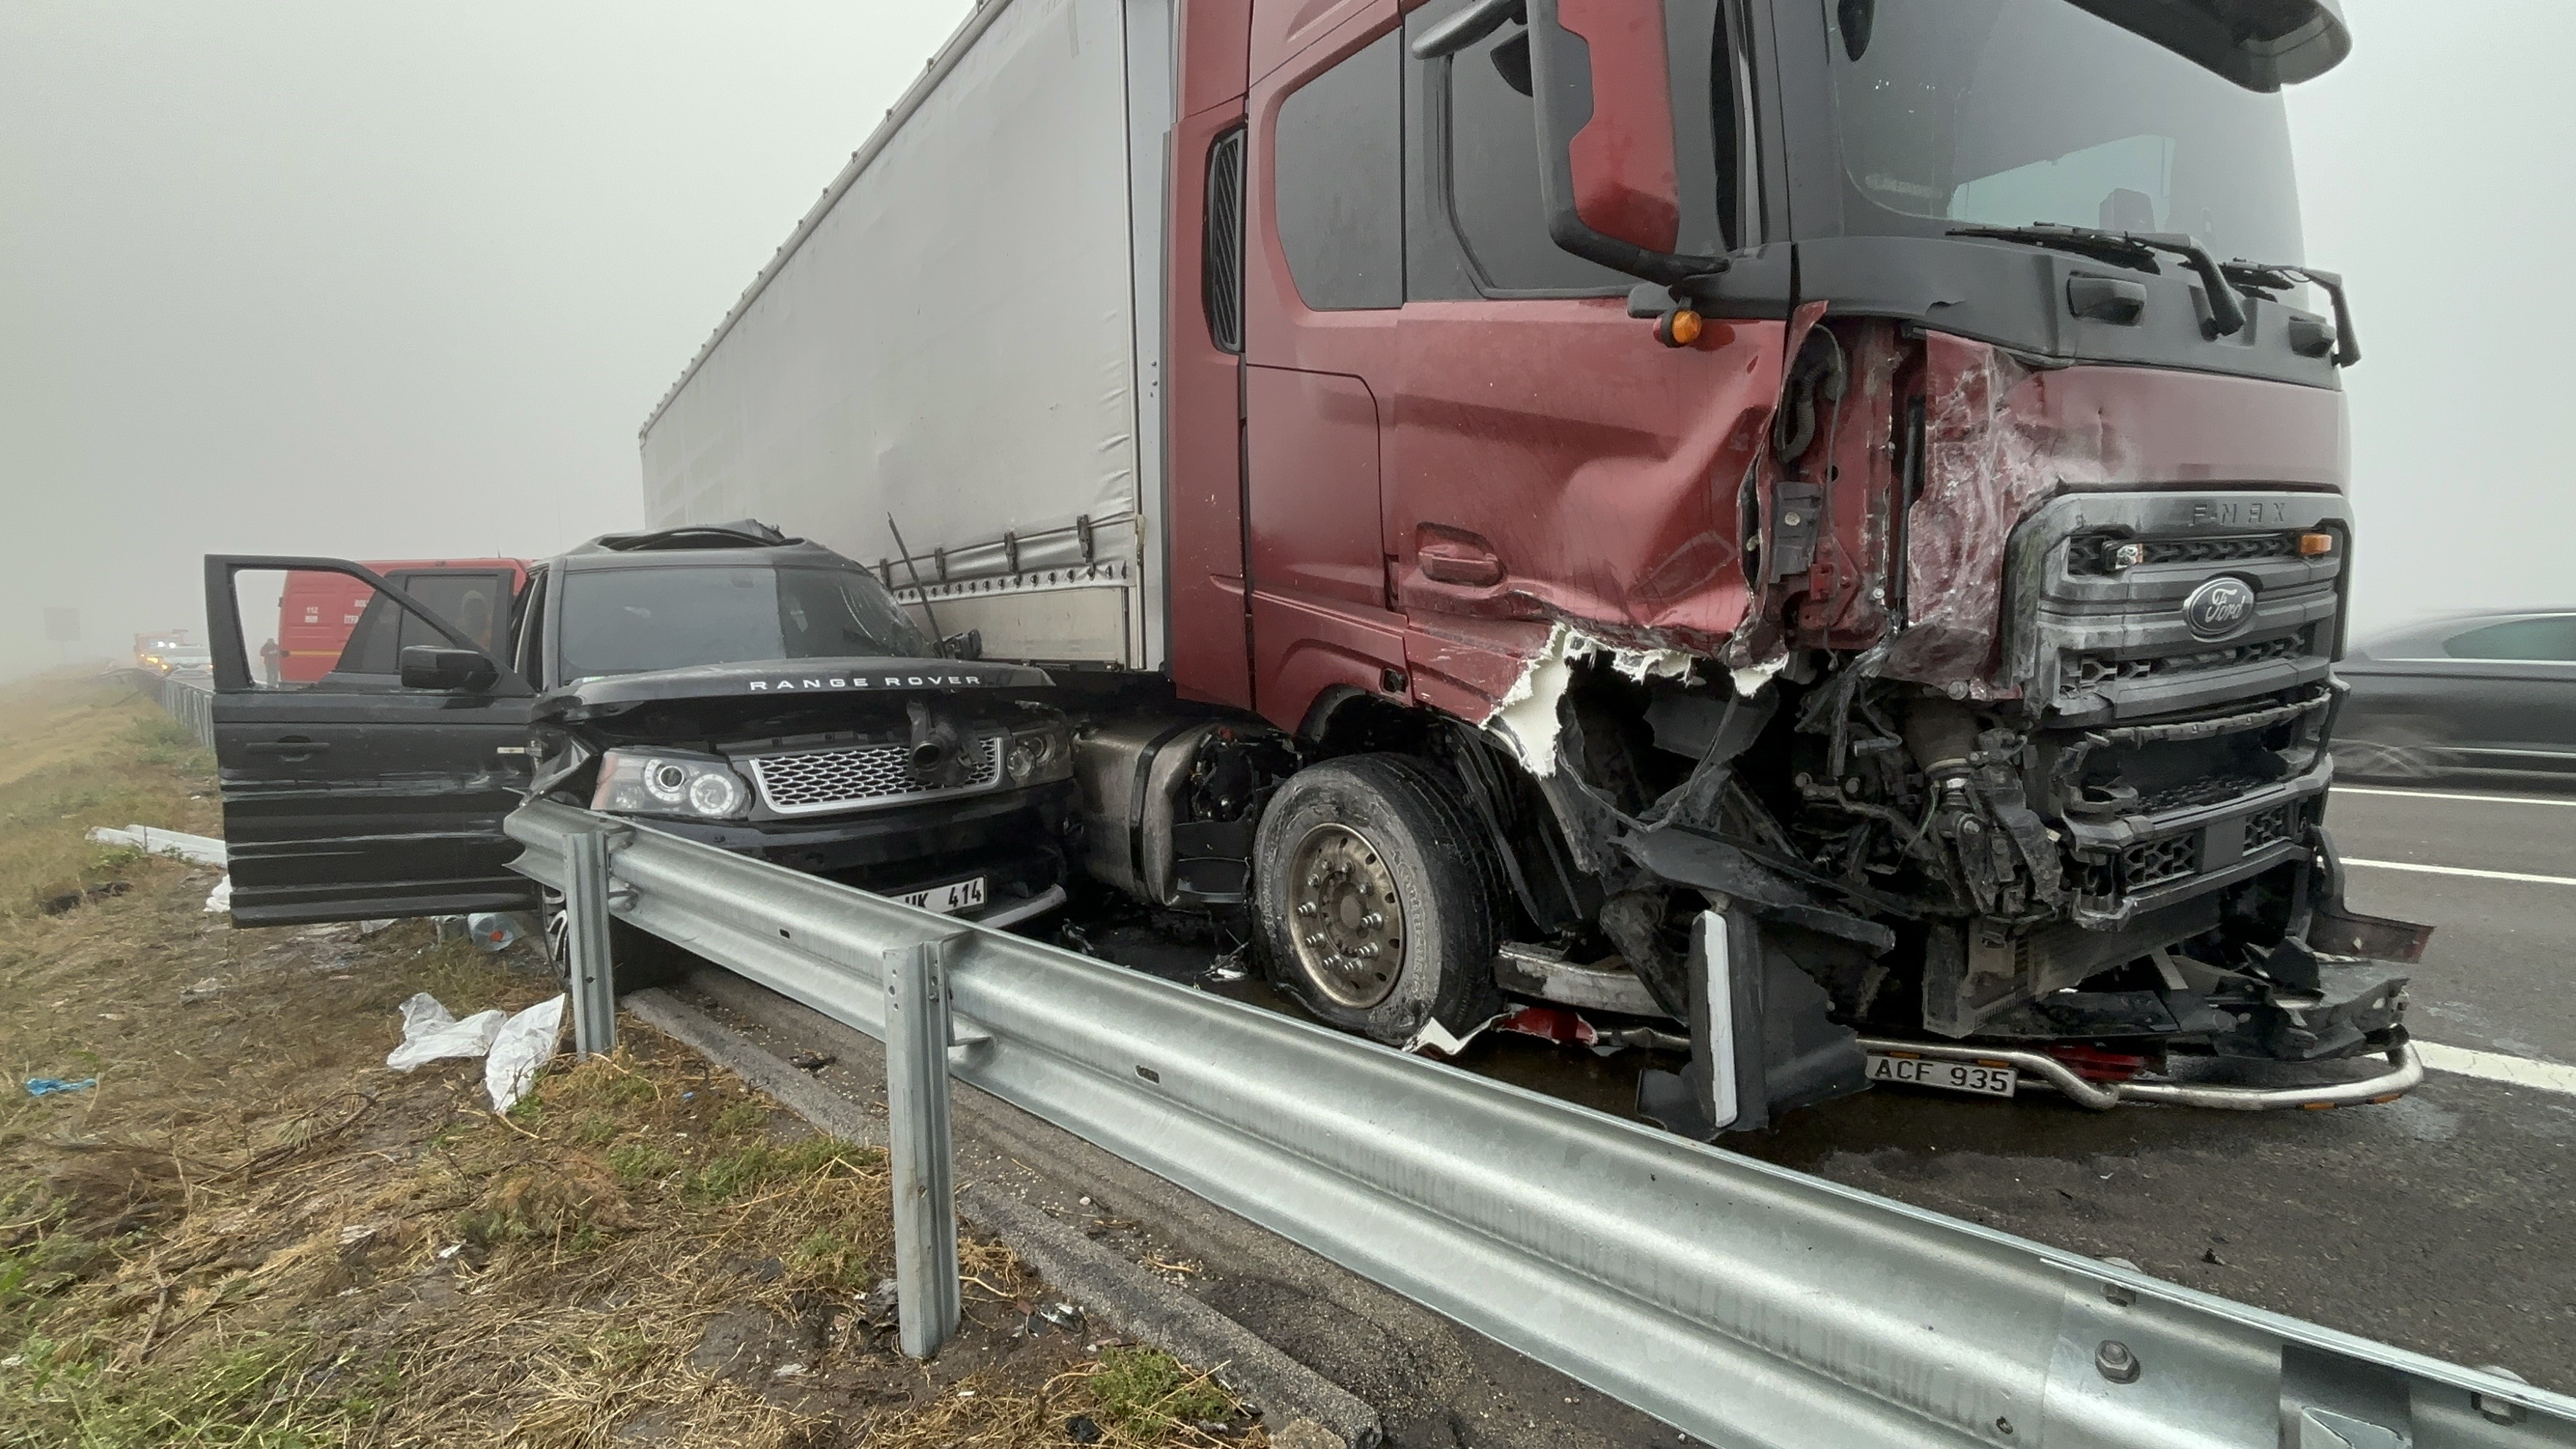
<point x="925" y="1209"/>
<point x="594" y="985"/>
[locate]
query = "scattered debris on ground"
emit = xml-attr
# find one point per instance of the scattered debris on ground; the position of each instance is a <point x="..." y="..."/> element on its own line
<point x="251" y="1231"/>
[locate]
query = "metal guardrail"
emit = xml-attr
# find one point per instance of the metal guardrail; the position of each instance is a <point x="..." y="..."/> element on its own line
<point x="1744" y="1303"/>
<point x="190" y="702"/>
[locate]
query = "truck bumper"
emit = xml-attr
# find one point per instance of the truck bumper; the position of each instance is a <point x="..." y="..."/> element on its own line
<point x="2405" y="1071"/>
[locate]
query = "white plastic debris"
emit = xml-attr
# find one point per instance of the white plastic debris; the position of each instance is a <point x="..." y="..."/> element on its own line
<point x="492" y="930"/>
<point x="1434" y="1037"/>
<point x="203" y="849"/>
<point x="219" y="901"/>
<point x="431" y="1031"/>
<point x="526" y="1042"/>
<point x="1525" y="717"/>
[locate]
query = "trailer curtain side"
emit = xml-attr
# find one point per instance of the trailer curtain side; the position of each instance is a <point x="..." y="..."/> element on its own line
<point x="964" y="334"/>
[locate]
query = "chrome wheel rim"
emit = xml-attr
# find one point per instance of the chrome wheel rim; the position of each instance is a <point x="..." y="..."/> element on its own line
<point x="1344" y="918"/>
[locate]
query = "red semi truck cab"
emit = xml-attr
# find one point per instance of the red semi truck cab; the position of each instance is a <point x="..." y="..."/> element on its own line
<point x="1819" y="520"/>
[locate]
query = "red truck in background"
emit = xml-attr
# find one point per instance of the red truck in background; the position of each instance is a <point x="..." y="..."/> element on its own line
<point x="317" y="612"/>
<point x="1819" y="523"/>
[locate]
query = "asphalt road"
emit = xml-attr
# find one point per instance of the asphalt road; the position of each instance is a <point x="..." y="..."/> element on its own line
<point x="2439" y="1223"/>
<point x="2501" y="972"/>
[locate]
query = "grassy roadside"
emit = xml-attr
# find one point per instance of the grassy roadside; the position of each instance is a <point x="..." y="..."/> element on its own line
<point x="250" y="1232"/>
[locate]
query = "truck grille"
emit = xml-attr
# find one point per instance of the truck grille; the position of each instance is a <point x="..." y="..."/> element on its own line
<point x="2139" y="867"/>
<point x="819" y="780"/>
<point x="2263" y="827"/>
<point x="2109" y="647"/>
<point x="2216" y="790"/>
<point x="2158" y="861"/>
<point x="2093" y="555"/>
<point x="2086" y="672"/>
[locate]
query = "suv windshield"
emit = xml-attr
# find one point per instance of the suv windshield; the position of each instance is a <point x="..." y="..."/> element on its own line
<point x="2010" y="112"/>
<point x="635" y="620"/>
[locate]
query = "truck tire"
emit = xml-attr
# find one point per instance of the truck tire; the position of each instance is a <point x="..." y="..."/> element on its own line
<point x="1374" y="892"/>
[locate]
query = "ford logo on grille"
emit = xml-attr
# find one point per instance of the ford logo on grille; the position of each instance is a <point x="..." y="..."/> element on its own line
<point x="2219" y="608"/>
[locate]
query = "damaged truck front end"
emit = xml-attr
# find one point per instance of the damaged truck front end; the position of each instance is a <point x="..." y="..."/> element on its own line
<point x="2083" y="852"/>
<point x="2015" y="768"/>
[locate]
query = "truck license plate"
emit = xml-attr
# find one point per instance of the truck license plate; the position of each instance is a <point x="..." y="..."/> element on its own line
<point x="1949" y="1076"/>
<point x="947" y="900"/>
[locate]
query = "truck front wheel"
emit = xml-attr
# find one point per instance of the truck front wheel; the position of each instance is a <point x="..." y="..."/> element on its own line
<point x="1376" y="899"/>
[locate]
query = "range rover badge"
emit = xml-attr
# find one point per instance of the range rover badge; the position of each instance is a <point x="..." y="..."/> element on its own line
<point x="2219" y="608"/>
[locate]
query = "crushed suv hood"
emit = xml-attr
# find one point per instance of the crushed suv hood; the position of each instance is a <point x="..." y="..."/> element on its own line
<point x="785" y="680"/>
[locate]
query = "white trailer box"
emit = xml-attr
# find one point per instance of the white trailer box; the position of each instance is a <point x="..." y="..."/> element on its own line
<point x="964" y="334"/>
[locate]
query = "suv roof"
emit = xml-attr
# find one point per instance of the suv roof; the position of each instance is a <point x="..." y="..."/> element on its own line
<point x="743" y="543"/>
<point x="741" y="533"/>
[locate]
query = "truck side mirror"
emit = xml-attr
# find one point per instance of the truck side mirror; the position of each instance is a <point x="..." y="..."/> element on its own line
<point x="1603" y="87"/>
<point x="428" y="666"/>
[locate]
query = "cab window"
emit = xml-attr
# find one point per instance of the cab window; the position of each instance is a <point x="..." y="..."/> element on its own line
<point x="477" y="603"/>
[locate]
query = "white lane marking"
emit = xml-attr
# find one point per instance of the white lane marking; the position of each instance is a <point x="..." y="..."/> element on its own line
<point x="2440" y="795"/>
<point x="2565" y="880"/>
<point x="2497" y="1067"/>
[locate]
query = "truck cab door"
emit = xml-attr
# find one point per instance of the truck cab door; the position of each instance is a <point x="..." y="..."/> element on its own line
<point x="1549" y="457"/>
<point x="1323" y="281"/>
<point x="377" y="788"/>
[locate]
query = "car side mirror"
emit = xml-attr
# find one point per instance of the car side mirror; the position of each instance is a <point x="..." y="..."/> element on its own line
<point x="432" y="666"/>
<point x="968" y="646"/>
<point x="1607" y="171"/>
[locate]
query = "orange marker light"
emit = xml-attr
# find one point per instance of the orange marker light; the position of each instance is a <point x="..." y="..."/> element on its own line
<point x="1679" y="327"/>
<point x="2313" y="545"/>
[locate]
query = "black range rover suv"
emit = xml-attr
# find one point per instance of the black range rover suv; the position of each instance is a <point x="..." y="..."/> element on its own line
<point x="727" y="683"/>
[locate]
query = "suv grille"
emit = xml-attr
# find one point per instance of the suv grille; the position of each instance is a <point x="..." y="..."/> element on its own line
<point x="802" y="784"/>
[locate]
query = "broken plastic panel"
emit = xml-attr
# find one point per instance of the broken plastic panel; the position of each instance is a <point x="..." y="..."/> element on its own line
<point x="1764" y="1043"/>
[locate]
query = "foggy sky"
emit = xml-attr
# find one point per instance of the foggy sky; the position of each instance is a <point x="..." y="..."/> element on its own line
<point x="400" y="279"/>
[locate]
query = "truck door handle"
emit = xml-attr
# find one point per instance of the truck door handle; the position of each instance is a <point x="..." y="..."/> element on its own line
<point x="290" y="748"/>
<point x="1460" y="561"/>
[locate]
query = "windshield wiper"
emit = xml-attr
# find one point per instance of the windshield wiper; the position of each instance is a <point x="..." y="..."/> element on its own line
<point x="2281" y="277"/>
<point x="2133" y="249"/>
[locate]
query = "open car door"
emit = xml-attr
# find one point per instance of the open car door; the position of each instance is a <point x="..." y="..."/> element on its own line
<point x="378" y="788"/>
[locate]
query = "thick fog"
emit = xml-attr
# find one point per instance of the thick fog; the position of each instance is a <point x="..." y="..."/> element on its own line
<point x="402" y="280"/>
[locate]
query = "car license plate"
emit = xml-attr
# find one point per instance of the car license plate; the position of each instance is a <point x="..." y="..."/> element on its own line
<point x="947" y="900"/>
<point x="1949" y="1076"/>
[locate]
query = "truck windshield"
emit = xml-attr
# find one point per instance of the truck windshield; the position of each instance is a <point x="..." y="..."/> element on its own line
<point x="635" y="620"/>
<point x="2009" y="112"/>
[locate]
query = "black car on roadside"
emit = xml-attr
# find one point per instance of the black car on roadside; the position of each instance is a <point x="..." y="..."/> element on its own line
<point x="723" y="682"/>
<point x="2489" y="694"/>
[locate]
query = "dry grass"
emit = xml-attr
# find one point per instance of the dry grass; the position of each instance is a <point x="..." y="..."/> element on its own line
<point x="251" y="1233"/>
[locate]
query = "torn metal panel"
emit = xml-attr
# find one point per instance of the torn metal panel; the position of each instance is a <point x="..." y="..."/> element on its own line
<point x="1526" y="717"/>
<point x="1993" y="449"/>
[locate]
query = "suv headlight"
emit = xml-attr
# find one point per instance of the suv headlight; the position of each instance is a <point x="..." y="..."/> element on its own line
<point x="632" y="782"/>
<point x="1039" y="753"/>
